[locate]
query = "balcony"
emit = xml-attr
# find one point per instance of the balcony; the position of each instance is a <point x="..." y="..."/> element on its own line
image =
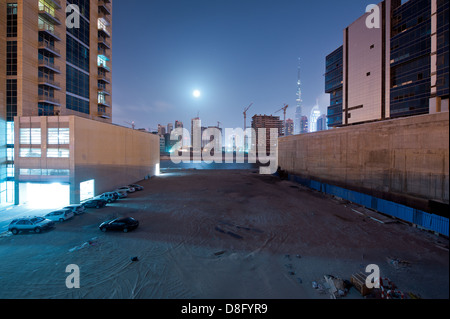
<point x="48" y="13"/>
<point x="43" y="80"/>
<point x="50" y="48"/>
<point x="102" y="41"/>
<point x="103" y="91"/>
<point x="101" y="112"/>
<point x="102" y="78"/>
<point x="50" y="31"/>
<point x="49" y="65"/>
<point x="55" y="3"/>
<point x="104" y="68"/>
<point x="103" y="7"/>
<point x="104" y="53"/>
<point x="48" y="99"/>
<point x="103" y="103"/>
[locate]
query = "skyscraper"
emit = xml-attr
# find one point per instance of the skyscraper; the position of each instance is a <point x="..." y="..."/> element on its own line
<point x="299" y="108"/>
<point x="267" y="122"/>
<point x="289" y="127"/>
<point x="333" y="86"/>
<point x="399" y="69"/>
<point x="322" y="123"/>
<point x="54" y="61"/>
<point x="315" y="114"/>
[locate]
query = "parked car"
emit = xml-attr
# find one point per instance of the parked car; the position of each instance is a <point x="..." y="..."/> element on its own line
<point x="76" y="209"/>
<point x="60" y="215"/>
<point x="121" y="194"/>
<point x="127" y="189"/>
<point x="120" y="224"/>
<point x="137" y="187"/>
<point x="36" y="224"/>
<point x="95" y="203"/>
<point x="109" y="197"/>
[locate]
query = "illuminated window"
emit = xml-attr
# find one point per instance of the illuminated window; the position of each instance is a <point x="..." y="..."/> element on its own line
<point x="57" y="153"/>
<point x="10" y="170"/>
<point x="44" y="172"/>
<point x="30" y="152"/>
<point x="101" y="98"/>
<point x="44" y="6"/>
<point x="10" y="133"/>
<point x="58" y="136"/>
<point x="10" y="154"/>
<point x="30" y="136"/>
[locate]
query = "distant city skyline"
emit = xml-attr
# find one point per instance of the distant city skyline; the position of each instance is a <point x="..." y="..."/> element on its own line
<point x="234" y="53"/>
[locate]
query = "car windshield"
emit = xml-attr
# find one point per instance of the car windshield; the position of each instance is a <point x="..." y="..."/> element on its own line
<point x="37" y="220"/>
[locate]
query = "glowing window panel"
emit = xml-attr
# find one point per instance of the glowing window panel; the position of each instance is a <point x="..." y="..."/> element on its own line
<point x="30" y="136"/>
<point x="30" y="152"/>
<point x="58" y="136"/>
<point x="58" y="153"/>
<point x="10" y="154"/>
<point x="10" y="133"/>
<point x="44" y="172"/>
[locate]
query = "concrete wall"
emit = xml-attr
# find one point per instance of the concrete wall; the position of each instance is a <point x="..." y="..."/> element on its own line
<point x="403" y="160"/>
<point x="112" y="155"/>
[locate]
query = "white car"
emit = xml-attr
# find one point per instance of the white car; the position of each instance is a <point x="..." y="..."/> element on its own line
<point x="60" y="215"/>
<point x="109" y="197"/>
<point x="76" y="209"/>
<point x="127" y="189"/>
<point x="121" y="194"/>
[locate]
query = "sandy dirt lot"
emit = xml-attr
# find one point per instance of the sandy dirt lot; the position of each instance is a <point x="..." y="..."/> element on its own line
<point x="221" y="235"/>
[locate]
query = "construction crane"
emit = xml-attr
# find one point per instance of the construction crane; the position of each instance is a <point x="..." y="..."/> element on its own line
<point x="284" y="111"/>
<point x="132" y="124"/>
<point x="245" y="116"/>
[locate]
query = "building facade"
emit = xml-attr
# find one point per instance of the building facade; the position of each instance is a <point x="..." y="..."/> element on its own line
<point x="397" y="69"/>
<point x="266" y="122"/>
<point x="289" y="127"/>
<point x="55" y="104"/>
<point x="334" y="80"/>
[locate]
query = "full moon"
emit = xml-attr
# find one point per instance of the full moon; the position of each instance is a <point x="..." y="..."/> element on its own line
<point x="197" y="93"/>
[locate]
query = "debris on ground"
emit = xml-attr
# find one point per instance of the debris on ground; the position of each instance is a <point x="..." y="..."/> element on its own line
<point x="334" y="286"/>
<point x="398" y="263"/>
<point x="91" y="242"/>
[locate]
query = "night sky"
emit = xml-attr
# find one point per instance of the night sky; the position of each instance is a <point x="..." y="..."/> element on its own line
<point x="235" y="52"/>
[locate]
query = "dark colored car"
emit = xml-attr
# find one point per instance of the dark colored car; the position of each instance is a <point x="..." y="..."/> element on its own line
<point x="120" y="224"/>
<point x="95" y="203"/>
<point x="137" y="187"/>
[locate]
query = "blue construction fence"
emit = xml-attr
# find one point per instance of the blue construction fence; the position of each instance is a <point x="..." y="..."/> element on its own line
<point x="423" y="219"/>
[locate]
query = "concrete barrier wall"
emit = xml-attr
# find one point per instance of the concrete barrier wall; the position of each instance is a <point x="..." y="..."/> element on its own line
<point x="112" y="155"/>
<point x="403" y="160"/>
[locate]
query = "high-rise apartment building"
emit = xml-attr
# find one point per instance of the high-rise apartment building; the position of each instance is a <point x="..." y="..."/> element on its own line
<point x="289" y="127"/>
<point x="333" y="86"/>
<point x="55" y="65"/>
<point x="397" y="68"/>
<point x="267" y="122"/>
<point x="322" y="123"/>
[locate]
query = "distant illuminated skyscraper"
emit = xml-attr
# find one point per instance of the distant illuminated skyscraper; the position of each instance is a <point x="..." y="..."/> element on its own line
<point x="303" y="124"/>
<point x="322" y="123"/>
<point x="289" y="127"/>
<point x="315" y="114"/>
<point x="299" y="109"/>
